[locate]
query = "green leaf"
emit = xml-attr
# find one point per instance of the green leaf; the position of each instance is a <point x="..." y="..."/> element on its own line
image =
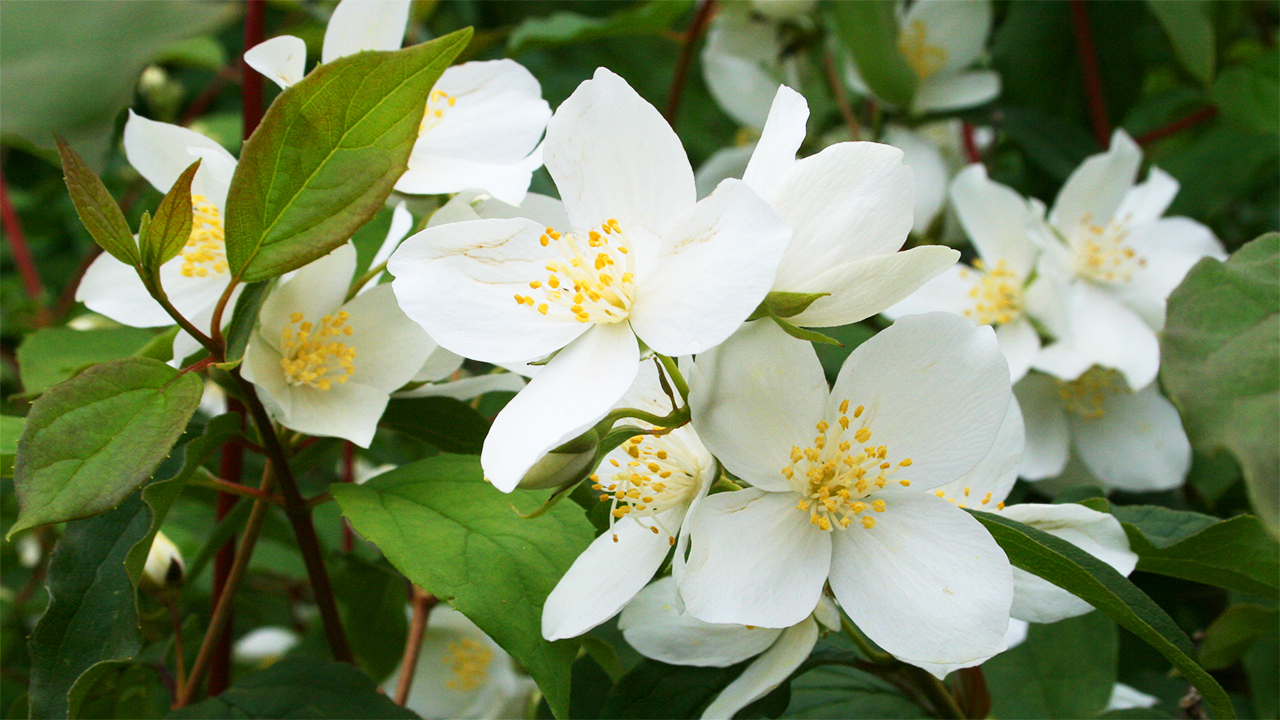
<point x="790" y="304"/>
<point x="299" y="687"/>
<point x="1262" y="664"/>
<point x="838" y="691"/>
<point x="49" y="356"/>
<point x="444" y="422"/>
<point x="372" y="600"/>
<point x="10" y="431"/>
<point x="97" y="209"/>
<point x="1249" y="94"/>
<point x="1161" y="527"/>
<point x="869" y="30"/>
<point x="1098" y="584"/>
<point x="460" y="539"/>
<point x="244" y="317"/>
<point x="1062" y="670"/>
<point x="170" y="229"/>
<point x="849" y="337"/>
<point x="1220" y="353"/>
<point x="1234" y="632"/>
<point x="646" y="18"/>
<point x="655" y="689"/>
<point x="93" y="439"/>
<point x="1187" y="24"/>
<point x="327" y="154"/>
<point x="1236" y="554"/>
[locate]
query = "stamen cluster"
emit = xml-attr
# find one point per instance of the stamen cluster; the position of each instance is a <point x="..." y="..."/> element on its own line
<point x="661" y="475"/>
<point x="310" y="357"/>
<point x="923" y="58"/>
<point x="206" y="248"/>
<point x="997" y="297"/>
<point x="1085" y="395"/>
<point x="595" y="283"/>
<point x="1102" y="254"/>
<point x="469" y="660"/>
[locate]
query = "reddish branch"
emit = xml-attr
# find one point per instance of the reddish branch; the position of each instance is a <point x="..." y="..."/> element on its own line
<point x="700" y="19"/>
<point x="230" y="469"/>
<point x="254" y="33"/>
<point x="22" y="255"/>
<point x="1177" y="126"/>
<point x="842" y="99"/>
<point x="970" y="144"/>
<point x="422" y="604"/>
<point x="1097" y="102"/>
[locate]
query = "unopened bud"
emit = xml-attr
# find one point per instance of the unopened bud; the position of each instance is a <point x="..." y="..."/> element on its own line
<point x="566" y="464"/>
<point x="164" y="567"/>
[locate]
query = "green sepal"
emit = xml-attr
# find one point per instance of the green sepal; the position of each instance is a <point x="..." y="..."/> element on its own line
<point x="798" y="332"/>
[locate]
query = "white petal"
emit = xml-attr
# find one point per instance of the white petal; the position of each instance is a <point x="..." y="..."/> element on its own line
<point x="738" y="61"/>
<point x="1017" y="632"/>
<point x="432" y="175"/>
<point x="282" y="60"/>
<point x="948" y="292"/>
<point x="468" y="388"/>
<point x="865" y="287"/>
<point x="996" y="218"/>
<point x="927" y="583"/>
<point x="1137" y="445"/>
<point x="571" y="394"/>
<point x="754" y="560"/>
<point x="942" y="93"/>
<point x="958" y="28"/>
<point x="935" y="388"/>
<point x="316" y="290"/>
<point x="1099" y="534"/>
<point x="767" y="672"/>
<point x="1124" y="697"/>
<point x="390" y="348"/>
<point x="614" y="157"/>
<point x="545" y="210"/>
<point x="114" y="289"/>
<point x="459" y="282"/>
<point x="1048" y="438"/>
<point x="1062" y="360"/>
<point x="1169" y="248"/>
<point x="929" y="171"/>
<point x="160" y="152"/>
<point x="358" y="25"/>
<point x="495" y="114"/>
<point x="610" y="572"/>
<point x="1110" y="334"/>
<point x="1096" y="188"/>
<point x="848" y="202"/>
<point x="781" y="138"/>
<point x="653" y="624"/>
<point x="350" y="411"/>
<point x="401" y="224"/>
<point x="725" y="163"/>
<point x="716" y="265"/>
<point x="439" y="365"/>
<point x="1147" y="201"/>
<point x="990" y="481"/>
<point x="1020" y="344"/>
<point x="754" y="397"/>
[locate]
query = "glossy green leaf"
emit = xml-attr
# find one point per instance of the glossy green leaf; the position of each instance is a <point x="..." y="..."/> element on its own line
<point x="869" y="30"/>
<point x="170" y="229"/>
<point x="299" y="687"/>
<point x="655" y="689"/>
<point x="646" y="18"/>
<point x="1262" y="664"/>
<point x="1220" y="366"/>
<point x="1187" y="24"/>
<point x="93" y="439"/>
<point x="244" y="318"/>
<point x="1238" y="554"/>
<point x="10" y="431"/>
<point x="97" y="209"/>
<point x="327" y="154"/>
<point x="1062" y="670"/>
<point x="444" y="422"/>
<point x="462" y="540"/>
<point x="1096" y="582"/>
<point x="839" y="691"/>
<point x="1234" y="632"/>
<point x="372" y="600"/>
<point x="49" y="356"/>
<point x="1249" y="94"/>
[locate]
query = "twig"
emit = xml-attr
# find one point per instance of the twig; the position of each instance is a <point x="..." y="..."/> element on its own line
<point x="842" y="99"/>
<point x="1177" y="126"/>
<point x="971" y="152"/>
<point x="422" y="604"/>
<point x="179" y="658"/>
<point x="22" y="255"/>
<point x="230" y="468"/>
<point x="1092" y="75"/>
<point x="691" y="35"/>
<point x="251" y="88"/>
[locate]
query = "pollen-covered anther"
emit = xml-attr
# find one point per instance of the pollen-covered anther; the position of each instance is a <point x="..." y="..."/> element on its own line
<point x="312" y="355"/>
<point x="469" y="660"/>
<point x="1086" y="395"/>
<point x="923" y="58"/>
<point x="438" y="103"/>
<point x="205" y="251"/>
<point x="997" y="298"/>
<point x="663" y="475"/>
<point x="599" y="269"/>
<point x="1101" y="253"/>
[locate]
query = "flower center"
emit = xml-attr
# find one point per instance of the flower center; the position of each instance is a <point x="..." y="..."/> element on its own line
<point x="438" y="102"/>
<point x="662" y="474"/>
<point x="469" y="661"/>
<point x="1101" y="254"/>
<point x="997" y="297"/>
<point x="834" y="475"/>
<point x="924" y="59"/>
<point x="311" y="357"/>
<point x="205" y="249"/>
<point x="1085" y="395"/>
<point x="965" y="496"/>
<point x="593" y="279"/>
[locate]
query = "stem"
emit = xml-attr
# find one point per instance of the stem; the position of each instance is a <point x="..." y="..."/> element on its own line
<point x="215" y="325"/>
<point x="179" y="659"/>
<point x="673" y="370"/>
<point x="22" y="255"/>
<point x="222" y="609"/>
<point x="1092" y="74"/>
<point x="842" y="100"/>
<point x="365" y="278"/>
<point x="299" y="513"/>
<point x="234" y="490"/>
<point x="944" y="703"/>
<point x="1177" y="126"/>
<point x="422" y="604"/>
<point x="230" y="469"/>
<point x="157" y="291"/>
<point x="348" y="476"/>
<point x="970" y="145"/>
<point x="254" y="33"/>
<point x="676" y="418"/>
<point x="686" y="55"/>
<point x="879" y="657"/>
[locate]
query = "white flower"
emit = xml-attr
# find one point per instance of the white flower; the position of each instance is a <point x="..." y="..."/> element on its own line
<point x="929" y="173"/>
<point x="653" y="624"/>
<point x="327" y="366"/>
<point x="197" y="276"/>
<point x="652" y="483"/>
<point x="850" y="209"/>
<point x="1000" y="224"/>
<point x="939" y="40"/>
<point x="462" y="673"/>
<point x="164" y="566"/>
<point x="1129" y="440"/>
<point x="913" y="408"/>
<point x="263" y="646"/>
<point x="483" y="119"/>
<point x="1114" y="263"/>
<point x="644" y="263"/>
<point x="743" y="63"/>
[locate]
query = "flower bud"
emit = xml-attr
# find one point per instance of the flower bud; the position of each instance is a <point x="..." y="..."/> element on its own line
<point x="164" y="567"/>
<point x="568" y="463"/>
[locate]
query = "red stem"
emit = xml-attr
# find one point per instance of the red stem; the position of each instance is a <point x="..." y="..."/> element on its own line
<point x="22" y="255"/>
<point x="1092" y="74"/>
<point x="970" y="145"/>
<point x="230" y="470"/>
<point x="254" y="33"/>
<point x="686" y="56"/>
<point x="1177" y="126"/>
<point x="422" y="604"/>
<point x="348" y="476"/>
